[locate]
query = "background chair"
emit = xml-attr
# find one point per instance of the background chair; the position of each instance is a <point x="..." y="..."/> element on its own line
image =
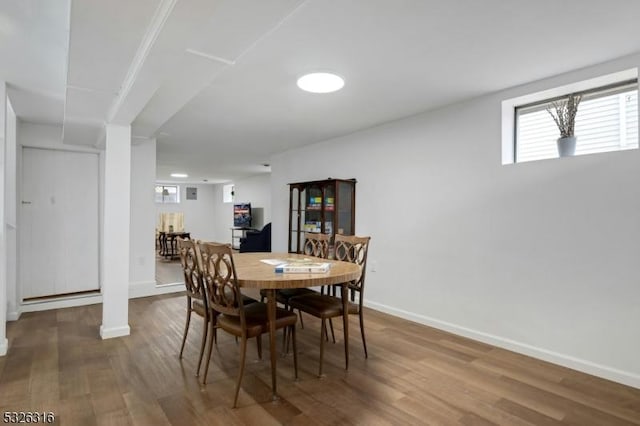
<point x="223" y="296"/>
<point x="259" y="241"/>
<point x="314" y="245"/>
<point x="324" y="306"/>
<point x="196" y="298"/>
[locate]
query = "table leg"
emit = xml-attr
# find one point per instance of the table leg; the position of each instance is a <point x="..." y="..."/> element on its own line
<point x="345" y="322"/>
<point x="271" y="310"/>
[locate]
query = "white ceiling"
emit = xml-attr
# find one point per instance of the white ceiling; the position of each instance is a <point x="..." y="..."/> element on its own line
<point x="214" y="81"/>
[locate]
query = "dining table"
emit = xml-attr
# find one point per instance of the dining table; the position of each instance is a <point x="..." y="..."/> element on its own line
<point x="253" y="272"/>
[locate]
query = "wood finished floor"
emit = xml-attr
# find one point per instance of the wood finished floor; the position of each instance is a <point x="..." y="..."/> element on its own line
<point x="414" y="375"/>
<point x="168" y="271"/>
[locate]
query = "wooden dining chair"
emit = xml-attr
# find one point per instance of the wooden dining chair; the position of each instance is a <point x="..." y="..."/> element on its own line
<point x="236" y="318"/>
<point x="325" y="306"/>
<point x="317" y="245"/>
<point x="196" y="298"/>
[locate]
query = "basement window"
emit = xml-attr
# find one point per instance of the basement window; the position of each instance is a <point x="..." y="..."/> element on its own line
<point x="228" y="192"/>
<point x="606" y="119"/>
<point x="167" y="194"/>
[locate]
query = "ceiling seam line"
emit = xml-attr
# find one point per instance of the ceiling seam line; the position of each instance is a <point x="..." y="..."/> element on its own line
<point x="268" y="32"/>
<point x="157" y="23"/>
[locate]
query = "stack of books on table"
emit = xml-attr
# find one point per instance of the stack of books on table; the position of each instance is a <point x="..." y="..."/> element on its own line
<point x="302" y="266"/>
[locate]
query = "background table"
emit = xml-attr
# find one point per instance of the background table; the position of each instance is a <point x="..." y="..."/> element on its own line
<point x="168" y="243"/>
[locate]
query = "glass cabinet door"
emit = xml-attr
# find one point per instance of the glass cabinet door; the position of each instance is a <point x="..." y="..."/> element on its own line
<point x="297" y="217"/>
<point x="329" y="206"/>
<point x="345" y="214"/>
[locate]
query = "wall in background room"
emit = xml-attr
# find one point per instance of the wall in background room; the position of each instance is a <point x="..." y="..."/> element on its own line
<point x="255" y="190"/>
<point x="538" y="257"/>
<point x="199" y="215"/>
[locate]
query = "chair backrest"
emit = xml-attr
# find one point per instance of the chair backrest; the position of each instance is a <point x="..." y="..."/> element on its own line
<point x="219" y="277"/>
<point x="350" y="248"/>
<point x="316" y="245"/>
<point x="190" y="268"/>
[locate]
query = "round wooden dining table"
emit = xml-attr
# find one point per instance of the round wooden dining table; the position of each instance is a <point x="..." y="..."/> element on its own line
<point x="252" y="272"/>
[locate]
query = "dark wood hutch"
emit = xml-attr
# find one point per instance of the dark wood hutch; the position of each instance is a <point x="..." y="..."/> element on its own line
<point x="327" y="206"/>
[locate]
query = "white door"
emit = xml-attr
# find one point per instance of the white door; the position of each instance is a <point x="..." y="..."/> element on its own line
<point x="59" y="222"/>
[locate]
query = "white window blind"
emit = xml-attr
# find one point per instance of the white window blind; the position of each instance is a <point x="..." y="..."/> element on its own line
<point x="606" y="121"/>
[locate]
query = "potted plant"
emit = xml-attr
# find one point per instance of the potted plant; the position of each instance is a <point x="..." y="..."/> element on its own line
<point x="564" y="112"/>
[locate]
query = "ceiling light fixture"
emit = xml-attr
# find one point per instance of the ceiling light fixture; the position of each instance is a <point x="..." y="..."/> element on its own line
<point x="321" y="82"/>
<point x="179" y="175"/>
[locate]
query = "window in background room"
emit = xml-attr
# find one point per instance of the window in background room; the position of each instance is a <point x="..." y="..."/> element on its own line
<point x="607" y="120"/>
<point x="167" y="194"/>
<point x="228" y="192"/>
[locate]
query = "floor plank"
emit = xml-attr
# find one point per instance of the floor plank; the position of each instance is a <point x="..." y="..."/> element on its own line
<point x="414" y="375"/>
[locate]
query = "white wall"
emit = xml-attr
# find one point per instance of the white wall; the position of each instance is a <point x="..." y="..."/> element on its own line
<point x="223" y="212"/>
<point x="10" y="211"/>
<point x="3" y="246"/>
<point x="143" y="213"/>
<point x="538" y="257"/>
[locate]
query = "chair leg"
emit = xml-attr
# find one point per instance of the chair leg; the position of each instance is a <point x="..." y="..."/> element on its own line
<point x="323" y="332"/>
<point x="186" y="326"/>
<point x="259" y="341"/>
<point x="295" y="350"/>
<point x="243" y="355"/>
<point x="301" y="321"/>
<point x="364" y="342"/>
<point x="205" y="333"/>
<point x="285" y="340"/>
<point x="214" y="328"/>
<point x="206" y="366"/>
<point x="333" y="335"/>
<point x="345" y="324"/>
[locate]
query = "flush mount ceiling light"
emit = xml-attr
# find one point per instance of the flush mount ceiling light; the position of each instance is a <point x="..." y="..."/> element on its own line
<point x="320" y="82"/>
<point x="179" y="175"/>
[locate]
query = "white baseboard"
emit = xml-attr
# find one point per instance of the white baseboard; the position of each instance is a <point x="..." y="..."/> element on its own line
<point x="4" y="345"/>
<point x="111" y="332"/>
<point x="150" y="288"/>
<point x="136" y="289"/>
<point x="66" y="302"/>
<point x="141" y="289"/>
<point x="624" y="377"/>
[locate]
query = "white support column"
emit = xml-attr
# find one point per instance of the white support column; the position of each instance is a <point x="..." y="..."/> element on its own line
<point x="117" y="215"/>
<point x="4" y="343"/>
